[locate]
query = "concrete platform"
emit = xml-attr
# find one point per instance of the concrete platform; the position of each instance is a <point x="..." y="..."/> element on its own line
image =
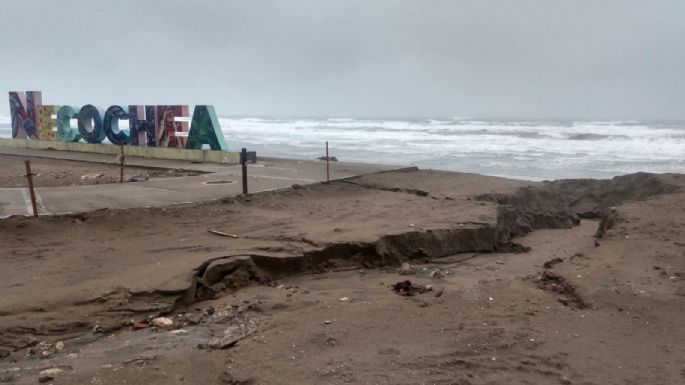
<point x="217" y="181"/>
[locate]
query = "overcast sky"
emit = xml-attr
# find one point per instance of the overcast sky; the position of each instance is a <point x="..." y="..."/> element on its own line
<point x="593" y="59"/>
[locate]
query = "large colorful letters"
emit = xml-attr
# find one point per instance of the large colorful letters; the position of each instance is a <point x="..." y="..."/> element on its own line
<point x="149" y="126"/>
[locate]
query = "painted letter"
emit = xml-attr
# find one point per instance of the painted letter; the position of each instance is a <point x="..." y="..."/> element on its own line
<point x="205" y="129"/>
<point x="168" y="128"/>
<point x="23" y="112"/>
<point x="46" y="123"/>
<point x="65" y="132"/>
<point x="90" y="124"/>
<point x="111" y="124"/>
<point x="142" y="127"/>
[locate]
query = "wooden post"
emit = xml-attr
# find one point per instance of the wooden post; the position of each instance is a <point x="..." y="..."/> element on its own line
<point x="328" y="170"/>
<point x="29" y="177"/>
<point x="121" y="164"/>
<point x="243" y="161"/>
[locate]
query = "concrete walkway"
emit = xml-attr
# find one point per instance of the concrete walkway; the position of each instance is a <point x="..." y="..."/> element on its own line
<point x="218" y="181"/>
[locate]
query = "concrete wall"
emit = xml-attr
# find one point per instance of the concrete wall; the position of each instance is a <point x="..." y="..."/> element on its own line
<point x="145" y="152"/>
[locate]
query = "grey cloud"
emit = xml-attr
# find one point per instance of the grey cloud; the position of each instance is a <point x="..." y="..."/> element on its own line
<point x="485" y="58"/>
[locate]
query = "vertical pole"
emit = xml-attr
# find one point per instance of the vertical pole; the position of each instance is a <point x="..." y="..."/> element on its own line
<point x="328" y="170"/>
<point x="121" y="164"/>
<point x="243" y="161"/>
<point x="29" y="176"/>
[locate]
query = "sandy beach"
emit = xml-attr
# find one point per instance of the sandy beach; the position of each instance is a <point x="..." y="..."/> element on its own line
<point x="510" y="282"/>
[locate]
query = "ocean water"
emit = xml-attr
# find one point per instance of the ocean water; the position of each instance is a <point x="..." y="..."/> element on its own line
<point x="533" y="150"/>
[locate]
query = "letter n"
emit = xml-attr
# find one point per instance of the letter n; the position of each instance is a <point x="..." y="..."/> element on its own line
<point x="23" y="112"/>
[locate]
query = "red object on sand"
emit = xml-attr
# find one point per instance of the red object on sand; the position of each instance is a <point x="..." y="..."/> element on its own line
<point x="139" y="325"/>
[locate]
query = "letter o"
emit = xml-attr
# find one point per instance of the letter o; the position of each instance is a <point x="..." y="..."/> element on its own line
<point x="90" y="124"/>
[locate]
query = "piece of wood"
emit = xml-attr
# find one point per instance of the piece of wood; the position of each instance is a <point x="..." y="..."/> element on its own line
<point x="217" y="232"/>
<point x="29" y="177"/>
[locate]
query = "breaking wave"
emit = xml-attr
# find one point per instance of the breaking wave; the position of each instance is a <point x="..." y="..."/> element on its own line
<point x="518" y="149"/>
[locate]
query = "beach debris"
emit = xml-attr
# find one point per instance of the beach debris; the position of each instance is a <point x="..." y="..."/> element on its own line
<point x="221" y="233"/>
<point x="407" y="289"/>
<point x="138" y="178"/>
<point x="439" y="292"/>
<point x="232" y="334"/>
<point x="329" y="158"/>
<point x="140" y="360"/>
<point x="163" y="323"/>
<point x="436" y="274"/>
<point x="44" y="349"/>
<point x="327" y="322"/>
<point x="550" y="264"/>
<point x="48" y="375"/>
<point x="59" y="346"/>
<point x="191" y="318"/>
<point x="179" y="332"/>
<point x="91" y="176"/>
<point x="139" y="325"/>
<point x="406" y="269"/>
<point x="608" y="221"/>
<point x="345" y="299"/>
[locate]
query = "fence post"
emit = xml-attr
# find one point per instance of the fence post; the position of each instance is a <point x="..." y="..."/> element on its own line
<point x="121" y="164"/>
<point x="29" y="176"/>
<point x="243" y="162"/>
<point x="328" y="170"/>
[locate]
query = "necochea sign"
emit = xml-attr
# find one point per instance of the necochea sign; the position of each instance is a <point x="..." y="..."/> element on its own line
<point x="149" y="126"/>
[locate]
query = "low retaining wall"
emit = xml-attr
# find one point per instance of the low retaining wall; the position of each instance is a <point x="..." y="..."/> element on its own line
<point x="144" y="152"/>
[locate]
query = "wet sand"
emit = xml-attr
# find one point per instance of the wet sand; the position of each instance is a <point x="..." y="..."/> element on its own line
<point x="527" y="293"/>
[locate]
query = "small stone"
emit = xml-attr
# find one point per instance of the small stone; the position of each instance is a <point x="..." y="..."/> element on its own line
<point x="163" y="323"/>
<point x="179" y="332"/>
<point x="327" y="322"/>
<point x="91" y="176"/>
<point x="406" y="269"/>
<point x="48" y="375"/>
<point x="59" y="346"/>
<point x="193" y="319"/>
<point x="345" y="299"/>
